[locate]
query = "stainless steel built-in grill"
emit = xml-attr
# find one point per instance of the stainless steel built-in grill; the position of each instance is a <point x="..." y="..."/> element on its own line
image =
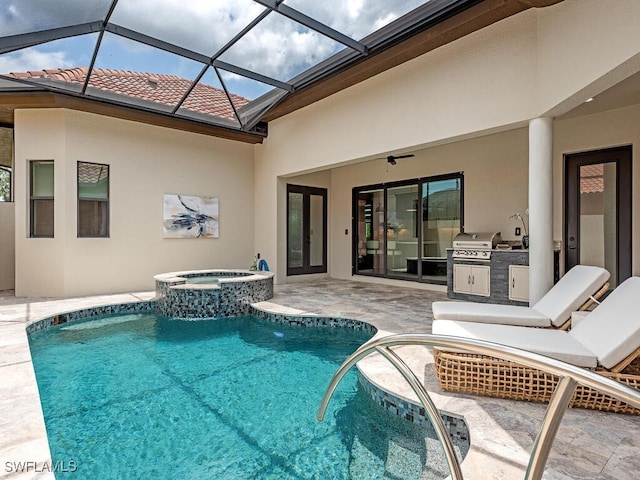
<point x="475" y="246"/>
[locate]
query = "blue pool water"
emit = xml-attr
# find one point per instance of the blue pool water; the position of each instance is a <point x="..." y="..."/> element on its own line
<point x="142" y="396"/>
<point x="207" y="280"/>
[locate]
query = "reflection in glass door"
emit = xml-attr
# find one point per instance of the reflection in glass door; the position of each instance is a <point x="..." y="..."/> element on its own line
<point x="402" y="231"/>
<point x="441" y="222"/>
<point x="306" y="230"/>
<point x="370" y="231"/>
<point x="598" y="235"/>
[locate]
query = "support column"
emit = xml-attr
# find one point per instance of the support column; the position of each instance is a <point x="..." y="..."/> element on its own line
<point x="540" y="207"/>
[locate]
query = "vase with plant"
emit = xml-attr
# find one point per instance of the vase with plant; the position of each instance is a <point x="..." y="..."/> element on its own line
<point x="525" y="237"/>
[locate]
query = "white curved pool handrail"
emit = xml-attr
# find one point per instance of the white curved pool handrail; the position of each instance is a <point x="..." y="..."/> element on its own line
<point x="570" y="377"/>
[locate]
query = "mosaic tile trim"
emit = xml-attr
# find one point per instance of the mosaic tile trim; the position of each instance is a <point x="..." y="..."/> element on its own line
<point x="178" y="299"/>
<point x="313" y="321"/>
<point x="456" y="426"/>
<point x="87" y="313"/>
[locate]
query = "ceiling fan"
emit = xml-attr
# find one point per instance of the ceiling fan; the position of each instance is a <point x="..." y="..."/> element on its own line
<point x="391" y="159"/>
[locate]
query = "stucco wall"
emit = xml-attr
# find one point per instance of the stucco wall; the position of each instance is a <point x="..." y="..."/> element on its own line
<point x="145" y="162"/>
<point x="7" y="260"/>
<point x="495" y="80"/>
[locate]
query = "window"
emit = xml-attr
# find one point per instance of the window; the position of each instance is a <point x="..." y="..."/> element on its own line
<point x="403" y="230"/>
<point x="5" y="183"/>
<point x="93" y="200"/>
<point x="6" y="163"/>
<point x="41" y="199"/>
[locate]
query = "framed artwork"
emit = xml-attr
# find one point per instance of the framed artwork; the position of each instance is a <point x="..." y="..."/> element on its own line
<point x="188" y="216"/>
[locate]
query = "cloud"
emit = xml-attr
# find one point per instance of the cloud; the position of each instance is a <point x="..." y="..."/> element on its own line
<point x="277" y="47"/>
<point x="32" y="59"/>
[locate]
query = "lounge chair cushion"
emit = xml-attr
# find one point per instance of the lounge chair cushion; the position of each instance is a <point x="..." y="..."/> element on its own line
<point x="553" y="309"/>
<point x="489" y="313"/>
<point x="556" y="344"/>
<point x="612" y="330"/>
<point x="571" y="292"/>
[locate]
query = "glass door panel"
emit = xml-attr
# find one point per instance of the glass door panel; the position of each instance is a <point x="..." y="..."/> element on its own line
<point x="370" y="234"/>
<point x="402" y="231"/>
<point x="598" y="236"/>
<point x="295" y="231"/>
<point x="441" y="222"/>
<point x="316" y="228"/>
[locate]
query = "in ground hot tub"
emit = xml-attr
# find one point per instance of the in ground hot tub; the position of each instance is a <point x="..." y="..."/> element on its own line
<point x="211" y="293"/>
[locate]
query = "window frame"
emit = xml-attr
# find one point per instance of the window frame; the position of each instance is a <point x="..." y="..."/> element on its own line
<point x="34" y="198"/>
<point x="80" y="199"/>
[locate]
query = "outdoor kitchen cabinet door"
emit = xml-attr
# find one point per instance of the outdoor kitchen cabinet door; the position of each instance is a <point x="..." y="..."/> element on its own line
<point x="471" y="279"/>
<point x="519" y="283"/>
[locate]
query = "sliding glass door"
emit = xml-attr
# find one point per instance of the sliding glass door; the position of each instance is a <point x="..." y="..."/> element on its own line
<point x="403" y="229"/>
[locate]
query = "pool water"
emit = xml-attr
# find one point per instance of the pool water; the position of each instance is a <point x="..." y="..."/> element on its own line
<point x="206" y="280"/>
<point x="142" y="396"/>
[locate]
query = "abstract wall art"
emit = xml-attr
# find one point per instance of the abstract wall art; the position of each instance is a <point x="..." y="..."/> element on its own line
<point x="188" y="216"/>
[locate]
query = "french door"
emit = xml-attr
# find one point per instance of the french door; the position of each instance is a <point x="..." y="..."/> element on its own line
<point x="598" y="211"/>
<point x="306" y="230"/>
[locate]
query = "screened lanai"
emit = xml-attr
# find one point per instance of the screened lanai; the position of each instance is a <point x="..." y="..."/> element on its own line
<point x="231" y="64"/>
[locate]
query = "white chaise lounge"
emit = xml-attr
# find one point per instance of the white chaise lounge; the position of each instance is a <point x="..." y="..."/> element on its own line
<point x="574" y="291"/>
<point x="608" y="340"/>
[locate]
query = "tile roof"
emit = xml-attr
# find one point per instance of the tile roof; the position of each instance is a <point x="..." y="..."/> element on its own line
<point x="592" y="178"/>
<point x="164" y="89"/>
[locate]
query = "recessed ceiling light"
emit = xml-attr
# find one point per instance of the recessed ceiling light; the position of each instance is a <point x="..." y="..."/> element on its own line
<point x="590" y="99"/>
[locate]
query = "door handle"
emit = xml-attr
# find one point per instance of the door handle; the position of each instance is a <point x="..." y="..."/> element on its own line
<point x="572" y="243"/>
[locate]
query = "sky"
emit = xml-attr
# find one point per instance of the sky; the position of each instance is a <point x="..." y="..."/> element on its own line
<point x="276" y="47"/>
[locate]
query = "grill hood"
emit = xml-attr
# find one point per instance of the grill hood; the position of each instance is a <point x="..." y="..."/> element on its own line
<point x="477" y="241"/>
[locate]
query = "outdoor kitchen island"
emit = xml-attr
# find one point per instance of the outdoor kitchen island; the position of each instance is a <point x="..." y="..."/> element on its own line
<point x="502" y="278"/>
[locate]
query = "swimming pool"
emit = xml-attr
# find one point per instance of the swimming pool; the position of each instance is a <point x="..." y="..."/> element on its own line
<point x="144" y="396"/>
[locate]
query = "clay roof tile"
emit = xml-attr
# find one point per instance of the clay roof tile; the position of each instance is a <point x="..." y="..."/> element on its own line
<point x="154" y="87"/>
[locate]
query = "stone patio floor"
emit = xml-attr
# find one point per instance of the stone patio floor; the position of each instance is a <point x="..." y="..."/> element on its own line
<point x="589" y="444"/>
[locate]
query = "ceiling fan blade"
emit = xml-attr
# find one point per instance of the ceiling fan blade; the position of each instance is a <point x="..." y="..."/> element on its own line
<point x="392" y="158"/>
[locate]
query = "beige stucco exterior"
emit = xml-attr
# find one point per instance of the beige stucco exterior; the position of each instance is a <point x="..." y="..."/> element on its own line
<point x="7" y="240"/>
<point x="463" y="107"/>
<point x="495" y="80"/>
<point x="145" y="163"/>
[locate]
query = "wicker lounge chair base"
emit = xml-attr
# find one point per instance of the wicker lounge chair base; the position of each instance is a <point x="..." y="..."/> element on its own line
<point x="488" y="376"/>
